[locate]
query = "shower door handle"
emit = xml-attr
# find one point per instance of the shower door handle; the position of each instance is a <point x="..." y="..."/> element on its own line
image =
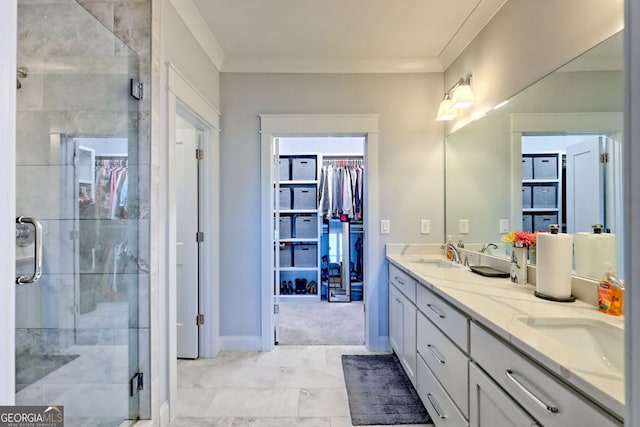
<point x="23" y="238"/>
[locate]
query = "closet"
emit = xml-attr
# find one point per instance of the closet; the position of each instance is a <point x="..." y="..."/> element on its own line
<point x="341" y="207"/>
<point x="319" y="208"/>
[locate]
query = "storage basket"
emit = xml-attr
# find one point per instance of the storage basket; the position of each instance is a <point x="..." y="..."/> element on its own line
<point x="303" y="169"/>
<point x="304" y="198"/>
<point x="305" y="255"/>
<point x="306" y="227"/>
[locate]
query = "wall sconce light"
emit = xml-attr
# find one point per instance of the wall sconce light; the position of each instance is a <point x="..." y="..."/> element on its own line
<point x="460" y="96"/>
<point x="445" y="112"/>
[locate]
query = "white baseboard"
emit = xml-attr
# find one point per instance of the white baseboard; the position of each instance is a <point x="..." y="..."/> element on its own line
<point x="164" y="415"/>
<point x="137" y="423"/>
<point x="240" y="343"/>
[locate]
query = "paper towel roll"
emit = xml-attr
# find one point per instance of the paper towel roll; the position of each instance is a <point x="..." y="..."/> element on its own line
<point x="554" y="256"/>
<point x="592" y="252"/>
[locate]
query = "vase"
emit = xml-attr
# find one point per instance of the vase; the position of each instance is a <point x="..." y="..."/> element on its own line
<point x="532" y="256"/>
<point x="519" y="265"/>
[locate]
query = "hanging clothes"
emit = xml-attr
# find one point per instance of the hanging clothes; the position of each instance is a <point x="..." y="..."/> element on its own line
<point x="111" y="188"/>
<point x="340" y="192"/>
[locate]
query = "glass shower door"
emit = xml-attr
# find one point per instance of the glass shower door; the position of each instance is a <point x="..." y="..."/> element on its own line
<point x="77" y="326"/>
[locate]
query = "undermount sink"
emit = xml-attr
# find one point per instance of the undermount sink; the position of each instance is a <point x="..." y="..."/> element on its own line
<point x="585" y="335"/>
<point x="436" y="262"/>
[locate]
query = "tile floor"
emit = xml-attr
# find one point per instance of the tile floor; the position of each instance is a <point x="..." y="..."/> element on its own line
<point x="289" y="386"/>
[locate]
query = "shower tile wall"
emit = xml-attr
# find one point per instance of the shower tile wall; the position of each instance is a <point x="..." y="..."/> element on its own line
<point x="74" y="89"/>
<point x="131" y="21"/>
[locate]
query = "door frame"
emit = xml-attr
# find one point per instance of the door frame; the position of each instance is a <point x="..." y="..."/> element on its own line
<point x="182" y="96"/>
<point x="8" y="45"/>
<point x="280" y="125"/>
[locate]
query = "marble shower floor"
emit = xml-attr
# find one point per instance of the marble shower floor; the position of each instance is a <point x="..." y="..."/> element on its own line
<point x="289" y="386"/>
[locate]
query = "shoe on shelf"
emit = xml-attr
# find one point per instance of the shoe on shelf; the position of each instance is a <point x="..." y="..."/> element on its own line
<point x="303" y="286"/>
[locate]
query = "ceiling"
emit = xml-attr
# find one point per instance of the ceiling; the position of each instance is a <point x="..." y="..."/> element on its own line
<point x="335" y="35"/>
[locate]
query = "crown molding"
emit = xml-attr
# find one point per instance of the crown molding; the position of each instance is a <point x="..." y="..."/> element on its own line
<point x="470" y="28"/>
<point x="191" y="17"/>
<point x="333" y="66"/>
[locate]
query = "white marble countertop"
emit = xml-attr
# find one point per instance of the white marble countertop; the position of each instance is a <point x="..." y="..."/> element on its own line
<point x="506" y="309"/>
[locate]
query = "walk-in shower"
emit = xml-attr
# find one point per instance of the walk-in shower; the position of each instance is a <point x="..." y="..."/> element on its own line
<point x="78" y="257"/>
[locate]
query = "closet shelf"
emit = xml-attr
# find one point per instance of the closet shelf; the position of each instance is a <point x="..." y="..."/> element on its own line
<point x="298" y="182"/>
<point x="298" y="211"/>
<point x="540" y="181"/>
<point x="539" y="210"/>
<point x="299" y="240"/>
<point x="299" y="268"/>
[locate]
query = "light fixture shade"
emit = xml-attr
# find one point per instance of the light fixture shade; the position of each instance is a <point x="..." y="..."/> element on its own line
<point x="462" y="97"/>
<point x="445" y="112"/>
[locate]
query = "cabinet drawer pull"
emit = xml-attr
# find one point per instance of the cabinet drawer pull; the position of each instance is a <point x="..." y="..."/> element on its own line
<point x="436" y="356"/>
<point x="399" y="280"/>
<point x="436" y="407"/>
<point x="436" y="311"/>
<point x="398" y="301"/>
<point x="536" y="399"/>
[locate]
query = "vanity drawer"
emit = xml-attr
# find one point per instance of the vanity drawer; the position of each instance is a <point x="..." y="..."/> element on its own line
<point x="450" y="321"/>
<point x="438" y="404"/>
<point x="405" y="283"/>
<point x="533" y="387"/>
<point x="447" y="362"/>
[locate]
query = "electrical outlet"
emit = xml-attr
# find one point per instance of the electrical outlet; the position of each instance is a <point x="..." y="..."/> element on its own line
<point x="425" y="226"/>
<point x="463" y="226"/>
<point x="504" y="226"/>
<point x="385" y="226"/>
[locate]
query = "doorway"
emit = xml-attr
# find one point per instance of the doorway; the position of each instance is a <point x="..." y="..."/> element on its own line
<point x="319" y="215"/>
<point x="366" y="125"/>
<point x="574" y="180"/>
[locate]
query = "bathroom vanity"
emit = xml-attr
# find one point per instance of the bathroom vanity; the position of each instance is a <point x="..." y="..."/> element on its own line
<point x="483" y="352"/>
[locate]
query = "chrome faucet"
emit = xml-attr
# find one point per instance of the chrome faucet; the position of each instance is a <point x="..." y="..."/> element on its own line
<point x="487" y="246"/>
<point x="456" y="253"/>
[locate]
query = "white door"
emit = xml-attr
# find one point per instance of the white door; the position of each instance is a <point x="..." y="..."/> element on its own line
<point x="585" y="183"/>
<point x="187" y="141"/>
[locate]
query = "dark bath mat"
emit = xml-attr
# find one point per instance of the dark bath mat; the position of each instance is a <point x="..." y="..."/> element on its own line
<point x="32" y="367"/>
<point x="380" y="392"/>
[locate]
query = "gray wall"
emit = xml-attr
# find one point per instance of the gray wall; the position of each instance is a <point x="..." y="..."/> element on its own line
<point x="411" y="167"/>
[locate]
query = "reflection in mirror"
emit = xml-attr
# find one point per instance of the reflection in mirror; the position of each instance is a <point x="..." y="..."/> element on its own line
<point x="538" y="160"/>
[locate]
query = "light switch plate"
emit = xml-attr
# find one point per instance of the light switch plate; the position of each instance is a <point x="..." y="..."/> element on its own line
<point x="425" y="226"/>
<point x="504" y="226"/>
<point x="463" y="226"/>
<point x="385" y="226"/>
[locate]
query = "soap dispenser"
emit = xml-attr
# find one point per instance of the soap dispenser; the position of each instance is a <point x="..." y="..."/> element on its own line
<point x="611" y="293"/>
<point x="449" y="248"/>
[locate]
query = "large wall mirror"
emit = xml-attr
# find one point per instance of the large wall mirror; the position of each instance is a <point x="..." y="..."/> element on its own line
<point x="551" y="154"/>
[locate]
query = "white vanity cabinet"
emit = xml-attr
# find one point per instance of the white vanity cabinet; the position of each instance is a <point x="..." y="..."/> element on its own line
<point x="402" y="319"/>
<point x="442" y="346"/>
<point x="491" y="406"/>
<point x="525" y="384"/>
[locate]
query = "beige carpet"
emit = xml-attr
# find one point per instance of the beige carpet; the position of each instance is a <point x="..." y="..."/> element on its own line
<point x="321" y="323"/>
